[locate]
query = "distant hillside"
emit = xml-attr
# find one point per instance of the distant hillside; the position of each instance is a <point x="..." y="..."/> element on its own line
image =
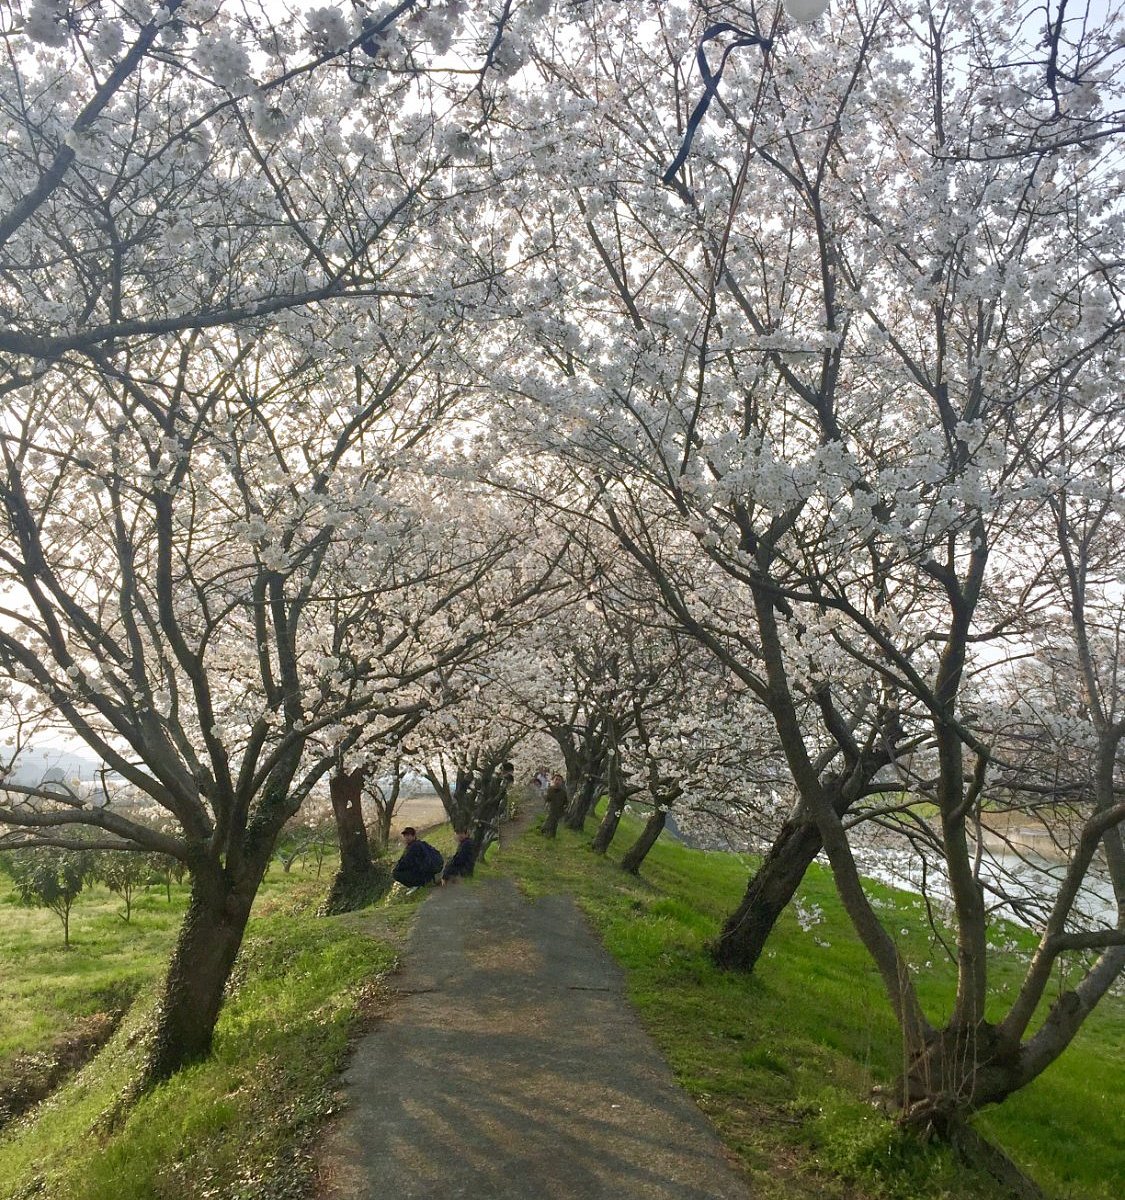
<point x="33" y="765"/>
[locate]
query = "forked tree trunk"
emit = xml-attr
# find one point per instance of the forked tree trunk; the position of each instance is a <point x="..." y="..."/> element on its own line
<point x="460" y="800"/>
<point x="581" y="805"/>
<point x="383" y="819"/>
<point x="957" y="1072"/>
<point x="201" y="965"/>
<point x="770" y="889"/>
<point x="385" y="804"/>
<point x="637" y="852"/>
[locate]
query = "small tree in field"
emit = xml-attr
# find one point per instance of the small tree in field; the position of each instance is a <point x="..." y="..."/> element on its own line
<point x="50" y="878"/>
<point x="123" y="874"/>
<point x="164" y="869"/>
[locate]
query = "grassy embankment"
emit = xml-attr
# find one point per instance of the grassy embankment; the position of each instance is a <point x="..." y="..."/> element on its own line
<point x="784" y="1061"/>
<point x="238" y="1126"/>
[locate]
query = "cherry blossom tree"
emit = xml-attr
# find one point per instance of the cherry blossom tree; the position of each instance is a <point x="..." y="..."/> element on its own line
<point x="231" y="312"/>
<point x="816" y="313"/>
<point x="831" y="360"/>
<point x="195" y="163"/>
<point x="709" y="759"/>
<point x="570" y="694"/>
<point x="170" y="591"/>
<point x="461" y="586"/>
<point x="478" y="720"/>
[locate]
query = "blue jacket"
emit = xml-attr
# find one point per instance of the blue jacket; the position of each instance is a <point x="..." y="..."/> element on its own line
<point x="419" y="863"/>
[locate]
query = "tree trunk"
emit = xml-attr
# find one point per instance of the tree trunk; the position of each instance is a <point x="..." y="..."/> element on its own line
<point x="383" y="826"/>
<point x="609" y="824"/>
<point x="358" y="881"/>
<point x="385" y="805"/>
<point x="581" y="805"/>
<point x="486" y="829"/>
<point x="982" y="1155"/>
<point x="346" y="791"/>
<point x="461" y="803"/>
<point x="958" y="1071"/>
<point x="636" y="853"/>
<point x="770" y="889"/>
<point x="201" y="964"/>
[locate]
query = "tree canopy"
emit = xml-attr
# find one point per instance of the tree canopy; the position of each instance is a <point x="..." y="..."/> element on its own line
<point x="727" y="393"/>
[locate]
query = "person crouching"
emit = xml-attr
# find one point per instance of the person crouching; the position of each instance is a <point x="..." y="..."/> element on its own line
<point x="420" y="862"/>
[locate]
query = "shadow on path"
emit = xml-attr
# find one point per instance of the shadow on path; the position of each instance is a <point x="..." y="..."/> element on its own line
<point x="512" y="1067"/>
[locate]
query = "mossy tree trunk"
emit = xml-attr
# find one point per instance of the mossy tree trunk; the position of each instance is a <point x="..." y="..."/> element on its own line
<point x="346" y="791"/>
<point x="201" y="964"/>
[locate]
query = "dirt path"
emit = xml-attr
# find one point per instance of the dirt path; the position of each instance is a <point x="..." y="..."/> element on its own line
<point x="513" y="1068"/>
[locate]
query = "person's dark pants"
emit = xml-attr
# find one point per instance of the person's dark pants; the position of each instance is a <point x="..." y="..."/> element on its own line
<point x="410" y="878"/>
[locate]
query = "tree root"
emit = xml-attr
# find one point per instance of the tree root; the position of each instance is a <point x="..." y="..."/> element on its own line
<point x="979" y="1153"/>
<point x="350" y="891"/>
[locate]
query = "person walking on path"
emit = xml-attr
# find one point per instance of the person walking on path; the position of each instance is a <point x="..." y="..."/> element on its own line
<point x="420" y="862"/>
<point x="460" y="866"/>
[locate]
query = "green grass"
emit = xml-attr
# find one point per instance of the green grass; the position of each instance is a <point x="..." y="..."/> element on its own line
<point x="45" y="989"/>
<point x="238" y="1126"/>
<point x="784" y="1061"/>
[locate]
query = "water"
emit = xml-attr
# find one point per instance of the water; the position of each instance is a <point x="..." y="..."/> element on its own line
<point x="1019" y="888"/>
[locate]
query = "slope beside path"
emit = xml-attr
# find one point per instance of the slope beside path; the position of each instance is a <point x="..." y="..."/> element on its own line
<point x="512" y="1067"/>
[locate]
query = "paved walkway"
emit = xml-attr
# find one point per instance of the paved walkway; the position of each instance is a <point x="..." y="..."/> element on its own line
<point x="512" y="1068"/>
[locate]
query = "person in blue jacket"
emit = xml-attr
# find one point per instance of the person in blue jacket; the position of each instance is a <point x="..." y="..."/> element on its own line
<point x="420" y="862"/>
<point x="461" y="864"/>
